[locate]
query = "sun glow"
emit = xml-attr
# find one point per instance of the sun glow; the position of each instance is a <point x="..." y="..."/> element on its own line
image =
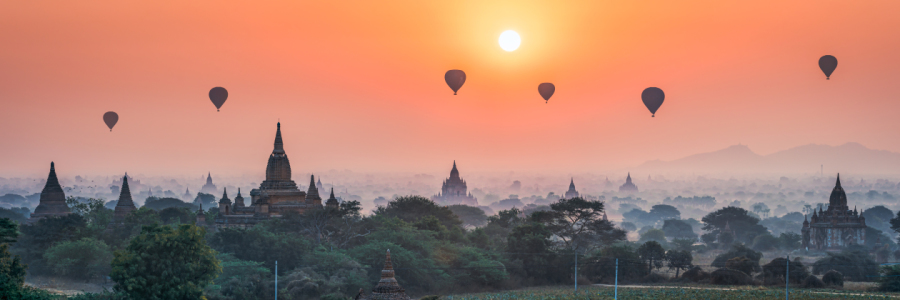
<point x="510" y="40"/>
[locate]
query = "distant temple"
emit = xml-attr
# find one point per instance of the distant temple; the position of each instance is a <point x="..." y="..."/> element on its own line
<point x="125" y="205"/>
<point x="53" y="199"/>
<point x="454" y="191"/>
<point x="835" y="228"/>
<point x="209" y="187"/>
<point x="275" y="196"/>
<point x="387" y="288"/>
<point x="134" y="183"/>
<point x="332" y="201"/>
<point x="187" y="195"/>
<point x="571" y="193"/>
<point x="628" y="186"/>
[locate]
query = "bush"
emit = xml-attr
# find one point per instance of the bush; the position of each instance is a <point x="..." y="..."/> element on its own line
<point x="653" y="278"/>
<point x="833" y="278"/>
<point x="854" y="265"/>
<point x="738" y="250"/>
<point x="765" y="242"/>
<point x="741" y="264"/>
<point x="890" y="279"/>
<point x="86" y="259"/>
<point x="695" y="274"/>
<point x="774" y="271"/>
<point x="813" y="282"/>
<point x="726" y="276"/>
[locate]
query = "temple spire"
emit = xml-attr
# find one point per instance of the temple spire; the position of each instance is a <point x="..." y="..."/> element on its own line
<point x="572" y="184"/>
<point x="838" y="183"/>
<point x="125" y="194"/>
<point x="279" y="144"/>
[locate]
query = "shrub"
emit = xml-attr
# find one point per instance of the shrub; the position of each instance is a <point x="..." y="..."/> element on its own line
<point x="695" y="274"/>
<point x="739" y="250"/>
<point x="774" y="271"/>
<point x="653" y="278"/>
<point x="813" y="282"/>
<point x="726" y="276"/>
<point x="854" y="265"/>
<point x="890" y="279"/>
<point x="741" y="264"/>
<point x="833" y="278"/>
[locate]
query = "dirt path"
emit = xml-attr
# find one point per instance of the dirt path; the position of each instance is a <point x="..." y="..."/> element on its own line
<point x="730" y="289"/>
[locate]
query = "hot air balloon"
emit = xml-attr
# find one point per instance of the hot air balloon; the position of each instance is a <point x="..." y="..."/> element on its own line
<point x="827" y="63"/>
<point x="546" y="89"/>
<point x="110" y="118"/>
<point x="653" y="98"/>
<point x="455" y="79"/>
<point x="218" y="95"/>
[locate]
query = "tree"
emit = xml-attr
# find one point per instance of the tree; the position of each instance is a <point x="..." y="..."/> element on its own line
<point x="789" y="241"/>
<point x="679" y="260"/>
<point x="765" y="242"/>
<point x="9" y="231"/>
<point x="262" y="245"/>
<point x="653" y="254"/>
<point x="160" y="204"/>
<point x="37" y="237"/>
<point x="202" y="199"/>
<point x="531" y="244"/>
<point x="179" y="215"/>
<point x="739" y="250"/>
<point x="775" y="270"/>
<point x="13" y="214"/>
<point x="664" y="212"/>
<point x="745" y="226"/>
<point x="655" y="235"/>
<point x="579" y="224"/>
<point x="412" y="208"/>
<point x="12" y="270"/>
<point x="470" y="216"/>
<point x="854" y="263"/>
<point x="165" y="263"/>
<point x="678" y="229"/>
<point x="86" y="258"/>
<point x="682" y="244"/>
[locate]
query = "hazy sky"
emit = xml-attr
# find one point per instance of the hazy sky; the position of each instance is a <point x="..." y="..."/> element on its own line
<point x="359" y="84"/>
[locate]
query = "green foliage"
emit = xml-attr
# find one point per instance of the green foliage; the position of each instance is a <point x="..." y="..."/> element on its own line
<point x="653" y="254"/>
<point x="260" y="245"/>
<point x="470" y="216"/>
<point x="745" y="226"/>
<point x="890" y="279"/>
<point x="678" y="229"/>
<point x="36" y="238"/>
<point x="765" y="242"/>
<point x="679" y="260"/>
<point x="475" y="267"/>
<point x="775" y="270"/>
<point x="165" y="263"/>
<point x="414" y="271"/>
<point x="789" y="241"/>
<point x="833" y="278"/>
<point x="530" y="243"/>
<point x="9" y="231"/>
<point x="205" y="200"/>
<point x="742" y="264"/>
<point x="855" y="265"/>
<point x="86" y="259"/>
<point x="655" y="235"/>
<point x="16" y="215"/>
<point x="12" y="271"/>
<point x="726" y="276"/>
<point x="662" y="212"/>
<point x="413" y="208"/>
<point x="682" y="244"/>
<point x="601" y="266"/>
<point x="160" y="204"/>
<point x="177" y="215"/>
<point x="739" y="250"/>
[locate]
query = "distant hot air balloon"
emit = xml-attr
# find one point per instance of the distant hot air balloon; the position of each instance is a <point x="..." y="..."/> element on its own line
<point x="546" y="89"/>
<point x="827" y="63"/>
<point x="218" y="95"/>
<point x="653" y="98"/>
<point x="455" y="79"/>
<point x="110" y="118"/>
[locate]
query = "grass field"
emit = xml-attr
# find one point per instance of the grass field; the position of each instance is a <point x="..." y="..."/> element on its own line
<point x="667" y="294"/>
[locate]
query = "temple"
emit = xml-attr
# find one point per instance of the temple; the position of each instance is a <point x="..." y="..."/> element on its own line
<point x="454" y="191"/>
<point x="277" y="195"/>
<point x="53" y="199"/>
<point x="571" y="193"/>
<point x="387" y="288"/>
<point x="209" y="187"/>
<point x="628" y="187"/>
<point x="187" y="195"/>
<point x="836" y="228"/>
<point x="125" y="205"/>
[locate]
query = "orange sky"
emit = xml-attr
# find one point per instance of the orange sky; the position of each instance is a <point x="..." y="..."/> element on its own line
<point x="359" y="84"/>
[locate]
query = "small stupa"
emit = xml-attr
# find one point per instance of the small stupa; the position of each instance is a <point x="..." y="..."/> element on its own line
<point x="388" y="288"/>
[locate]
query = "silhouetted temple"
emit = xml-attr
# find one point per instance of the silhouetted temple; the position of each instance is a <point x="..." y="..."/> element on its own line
<point x="332" y="201"/>
<point x="387" y="288"/>
<point x="835" y="228"/>
<point x="571" y="193"/>
<point x="125" y="205"/>
<point x="209" y="187"/>
<point x="187" y="195"/>
<point x="275" y="196"/>
<point x="53" y="199"/>
<point x="454" y="191"/>
<point x="628" y="186"/>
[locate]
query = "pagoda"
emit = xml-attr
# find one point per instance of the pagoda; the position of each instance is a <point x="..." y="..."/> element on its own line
<point x="628" y="187"/>
<point x="53" y="199"/>
<point x="835" y="228"/>
<point x="125" y="205"/>
<point x="209" y="187"/>
<point x="388" y="288"/>
<point x="571" y="193"/>
<point x="454" y="191"/>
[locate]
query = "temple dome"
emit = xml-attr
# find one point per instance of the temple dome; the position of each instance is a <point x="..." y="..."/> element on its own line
<point x="838" y="198"/>
<point x="278" y="168"/>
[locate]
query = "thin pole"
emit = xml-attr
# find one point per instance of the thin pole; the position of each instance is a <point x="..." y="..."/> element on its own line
<point x="787" y="276"/>
<point x="576" y="271"/>
<point x="616" y="290"/>
<point x="276" y="280"/>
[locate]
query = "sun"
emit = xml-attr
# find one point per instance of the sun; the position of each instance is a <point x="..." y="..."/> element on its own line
<point x="510" y="40"/>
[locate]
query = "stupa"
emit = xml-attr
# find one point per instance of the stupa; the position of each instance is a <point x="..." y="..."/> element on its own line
<point x="53" y="199"/>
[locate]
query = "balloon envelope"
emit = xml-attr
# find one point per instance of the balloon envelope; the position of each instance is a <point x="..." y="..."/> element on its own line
<point x="110" y="118"/>
<point x="218" y="95"/>
<point x="455" y="79"/>
<point x="546" y="89"/>
<point x="653" y="98"/>
<point x="827" y="63"/>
